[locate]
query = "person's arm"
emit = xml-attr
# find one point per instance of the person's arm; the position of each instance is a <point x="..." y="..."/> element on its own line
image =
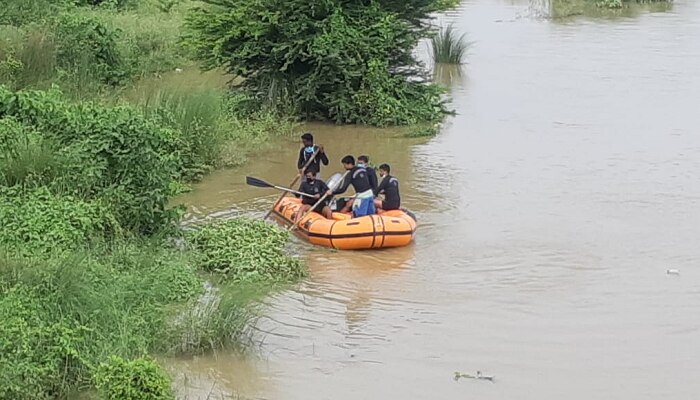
<point x="323" y="156"/>
<point x="381" y="187"/>
<point x="372" y="176"/>
<point x="302" y="189"/>
<point x="300" y="162"/>
<point x="343" y="185"/>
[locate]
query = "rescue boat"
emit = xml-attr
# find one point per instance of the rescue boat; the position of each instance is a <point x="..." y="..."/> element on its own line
<point x="393" y="228"/>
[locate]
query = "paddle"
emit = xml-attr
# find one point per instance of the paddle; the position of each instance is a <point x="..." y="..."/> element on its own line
<point x="296" y="178"/>
<point x="261" y="183"/>
<point x="332" y="184"/>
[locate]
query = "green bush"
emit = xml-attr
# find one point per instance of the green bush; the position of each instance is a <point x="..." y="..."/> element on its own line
<point x="39" y="356"/>
<point x="324" y="60"/>
<point x="244" y="250"/>
<point x="86" y="43"/>
<point x="39" y="221"/>
<point x="197" y="116"/>
<point x="111" y="153"/>
<point x="21" y="12"/>
<point x="139" y="379"/>
<point x="62" y="315"/>
<point x="26" y="158"/>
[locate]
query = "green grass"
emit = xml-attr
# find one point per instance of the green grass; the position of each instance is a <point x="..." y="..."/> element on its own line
<point x="448" y="47"/>
<point x="85" y="298"/>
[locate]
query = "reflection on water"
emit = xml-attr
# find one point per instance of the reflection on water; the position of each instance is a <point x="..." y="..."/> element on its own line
<point x="549" y="209"/>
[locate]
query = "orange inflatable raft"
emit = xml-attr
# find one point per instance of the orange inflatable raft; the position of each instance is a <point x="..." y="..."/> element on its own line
<point x="394" y="228"/>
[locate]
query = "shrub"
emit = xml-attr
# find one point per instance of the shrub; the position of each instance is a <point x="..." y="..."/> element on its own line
<point x="139" y="379"/>
<point x="38" y="221"/>
<point x="86" y="43"/>
<point x="111" y="153"/>
<point x="324" y="60"/>
<point x="64" y="314"/>
<point x="197" y="116"/>
<point x="38" y="355"/>
<point x="25" y="156"/>
<point x="21" y="12"/>
<point x="244" y="250"/>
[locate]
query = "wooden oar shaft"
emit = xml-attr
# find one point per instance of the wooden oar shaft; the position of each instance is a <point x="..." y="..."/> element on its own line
<point x="296" y="179"/>
<point x="342" y="179"/>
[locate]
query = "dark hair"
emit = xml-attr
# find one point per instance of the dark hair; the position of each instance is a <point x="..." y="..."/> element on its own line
<point x="348" y="160"/>
<point x="363" y="159"/>
<point x="311" y="168"/>
<point x="385" y="167"/>
<point x="307" y="136"/>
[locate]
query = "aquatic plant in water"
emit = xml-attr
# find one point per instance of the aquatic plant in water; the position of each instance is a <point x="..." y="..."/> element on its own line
<point x="448" y="48"/>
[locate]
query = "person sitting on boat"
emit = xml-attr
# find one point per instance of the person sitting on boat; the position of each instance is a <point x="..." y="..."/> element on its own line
<point x="363" y="161"/>
<point x="363" y="203"/>
<point x="307" y="151"/>
<point x="316" y="188"/>
<point x="389" y="186"/>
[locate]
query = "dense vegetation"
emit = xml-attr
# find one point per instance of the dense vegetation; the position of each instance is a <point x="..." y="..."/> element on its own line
<point x="105" y="116"/>
<point x="344" y="61"/>
<point x="98" y="130"/>
<point x="567" y="8"/>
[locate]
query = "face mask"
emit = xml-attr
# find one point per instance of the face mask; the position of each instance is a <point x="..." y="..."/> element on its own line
<point x="309" y="149"/>
<point x="361" y="165"/>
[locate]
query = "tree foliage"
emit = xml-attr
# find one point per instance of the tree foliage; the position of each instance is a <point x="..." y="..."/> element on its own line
<point x="349" y="61"/>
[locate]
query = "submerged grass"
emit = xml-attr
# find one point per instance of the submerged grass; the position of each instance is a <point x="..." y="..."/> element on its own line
<point x="448" y="47"/>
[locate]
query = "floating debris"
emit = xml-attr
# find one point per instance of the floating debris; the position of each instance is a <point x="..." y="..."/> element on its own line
<point x="478" y="375"/>
<point x="673" y="272"/>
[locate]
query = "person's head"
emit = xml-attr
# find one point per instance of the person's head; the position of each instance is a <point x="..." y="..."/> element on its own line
<point x="348" y="162"/>
<point x="384" y="170"/>
<point x="363" y="160"/>
<point x="310" y="174"/>
<point x="307" y="139"/>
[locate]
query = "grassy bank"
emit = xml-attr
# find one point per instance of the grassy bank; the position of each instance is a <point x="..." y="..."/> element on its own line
<point x="103" y="118"/>
<point x="605" y="8"/>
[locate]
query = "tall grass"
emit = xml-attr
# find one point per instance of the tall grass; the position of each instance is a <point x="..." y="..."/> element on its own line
<point x="448" y="48"/>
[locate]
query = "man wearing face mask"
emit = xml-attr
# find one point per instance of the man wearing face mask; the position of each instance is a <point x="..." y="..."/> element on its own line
<point x="363" y="202"/>
<point x="307" y="152"/>
<point x="363" y="162"/>
<point x="316" y="188"/>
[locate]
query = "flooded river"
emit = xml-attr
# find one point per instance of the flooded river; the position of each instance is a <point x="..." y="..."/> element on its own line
<point x="550" y="209"/>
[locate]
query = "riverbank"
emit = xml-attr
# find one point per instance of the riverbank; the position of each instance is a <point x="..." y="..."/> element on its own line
<point x="97" y="276"/>
<point x="96" y="273"/>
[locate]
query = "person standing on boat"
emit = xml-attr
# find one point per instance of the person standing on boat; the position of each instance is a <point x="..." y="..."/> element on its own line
<point x="390" y="187"/>
<point x="363" y="203"/>
<point x="307" y="151"/>
<point x="315" y="187"/>
<point x="363" y="161"/>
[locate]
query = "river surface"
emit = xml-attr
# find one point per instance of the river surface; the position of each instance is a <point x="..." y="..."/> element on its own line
<point x="550" y="209"/>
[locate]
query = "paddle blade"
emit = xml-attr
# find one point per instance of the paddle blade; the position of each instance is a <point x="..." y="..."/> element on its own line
<point x="334" y="181"/>
<point x="249" y="180"/>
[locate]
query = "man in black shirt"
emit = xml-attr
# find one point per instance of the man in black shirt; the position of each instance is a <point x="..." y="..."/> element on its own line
<point x="306" y="152"/>
<point x="316" y="188"/>
<point x="390" y="188"/>
<point x="363" y="203"/>
<point x="363" y="161"/>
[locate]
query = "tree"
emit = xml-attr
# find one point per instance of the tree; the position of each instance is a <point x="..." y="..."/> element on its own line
<point x="349" y="61"/>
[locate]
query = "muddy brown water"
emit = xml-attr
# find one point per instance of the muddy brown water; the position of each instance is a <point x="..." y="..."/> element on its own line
<point x="550" y="209"/>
